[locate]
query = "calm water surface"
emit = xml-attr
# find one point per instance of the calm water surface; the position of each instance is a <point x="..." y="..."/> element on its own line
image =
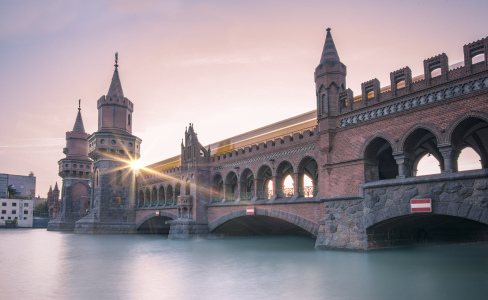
<point x="36" y="264"/>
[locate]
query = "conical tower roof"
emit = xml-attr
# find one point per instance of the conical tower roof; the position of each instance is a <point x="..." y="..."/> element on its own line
<point x="56" y="187"/>
<point x="115" y="86"/>
<point x="329" y="54"/>
<point x="79" y="121"/>
<point x="50" y="189"/>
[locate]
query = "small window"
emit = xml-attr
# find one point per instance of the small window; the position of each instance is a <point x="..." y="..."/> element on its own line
<point x="4" y="212"/>
<point x="118" y="199"/>
<point x="26" y="212"/>
<point x="128" y="120"/>
<point x="14" y="211"/>
<point x="14" y="204"/>
<point x="4" y="203"/>
<point x="9" y="218"/>
<point x="2" y="218"/>
<point x="16" y="218"/>
<point x="25" y="218"/>
<point x="26" y="204"/>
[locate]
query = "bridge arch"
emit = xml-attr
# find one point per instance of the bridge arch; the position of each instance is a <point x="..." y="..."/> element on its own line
<point x="379" y="162"/>
<point x="457" y="226"/>
<point x="217" y="187"/>
<point x="470" y="130"/>
<point x="246" y="180"/>
<point x="418" y="141"/>
<point x="264" y="176"/>
<point x="284" y="169"/>
<point x="304" y="224"/>
<point x="230" y="185"/>
<point x="153" y="223"/>
<point x="308" y="166"/>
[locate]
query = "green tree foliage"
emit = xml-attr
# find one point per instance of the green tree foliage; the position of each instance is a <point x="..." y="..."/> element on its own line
<point x="40" y="210"/>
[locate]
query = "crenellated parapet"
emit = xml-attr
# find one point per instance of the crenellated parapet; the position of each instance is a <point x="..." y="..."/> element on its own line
<point x="261" y="148"/>
<point x="439" y="81"/>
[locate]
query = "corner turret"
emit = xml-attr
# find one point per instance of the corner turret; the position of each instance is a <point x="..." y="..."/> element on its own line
<point x="330" y="80"/>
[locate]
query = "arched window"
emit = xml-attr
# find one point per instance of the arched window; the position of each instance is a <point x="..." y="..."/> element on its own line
<point x="469" y="160"/>
<point x="187" y="187"/>
<point x="128" y="119"/>
<point x="96" y="183"/>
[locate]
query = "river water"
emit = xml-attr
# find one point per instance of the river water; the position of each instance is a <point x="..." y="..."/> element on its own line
<point x="37" y="264"/>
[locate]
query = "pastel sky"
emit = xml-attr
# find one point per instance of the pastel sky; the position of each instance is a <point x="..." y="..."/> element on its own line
<point x="226" y="66"/>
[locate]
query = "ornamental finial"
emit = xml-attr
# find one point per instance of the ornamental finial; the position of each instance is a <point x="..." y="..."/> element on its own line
<point x="116" y="58"/>
<point x="79" y="104"/>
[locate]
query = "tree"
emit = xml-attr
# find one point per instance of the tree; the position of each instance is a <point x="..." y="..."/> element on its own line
<point x="40" y="210"/>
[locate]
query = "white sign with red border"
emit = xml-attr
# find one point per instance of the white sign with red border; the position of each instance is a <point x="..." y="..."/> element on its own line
<point x="157" y="213"/>
<point x="250" y="210"/>
<point x="421" y="205"/>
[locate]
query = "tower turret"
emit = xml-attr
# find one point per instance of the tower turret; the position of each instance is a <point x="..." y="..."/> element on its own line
<point x="76" y="170"/>
<point x="113" y="148"/>
<point x="330" y="80"/>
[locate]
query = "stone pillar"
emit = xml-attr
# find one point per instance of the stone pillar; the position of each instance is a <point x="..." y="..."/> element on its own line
<point x="297" y="183"/>
<point x="405" y="163"/>
<point x="239" y="184"/>
<point x="450" y="155"/>
<point x="258" y="185"/>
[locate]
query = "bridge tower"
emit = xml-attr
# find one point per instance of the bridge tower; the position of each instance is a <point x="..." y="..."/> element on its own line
<point x="113" y="148"/>
<point x="76" y="169"/>
<point x="193" y="200"/>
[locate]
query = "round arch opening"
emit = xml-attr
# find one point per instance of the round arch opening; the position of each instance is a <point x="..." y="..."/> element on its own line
<point x="425" y="229"/>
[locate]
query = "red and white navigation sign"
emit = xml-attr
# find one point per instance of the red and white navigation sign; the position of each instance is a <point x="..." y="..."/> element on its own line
<point x="421" y="205"/>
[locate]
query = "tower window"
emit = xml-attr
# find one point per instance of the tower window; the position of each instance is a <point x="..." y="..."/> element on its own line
<point x="128" y="120"/>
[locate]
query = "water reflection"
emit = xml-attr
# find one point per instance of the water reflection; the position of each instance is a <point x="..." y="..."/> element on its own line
<point x="50" y="265"/>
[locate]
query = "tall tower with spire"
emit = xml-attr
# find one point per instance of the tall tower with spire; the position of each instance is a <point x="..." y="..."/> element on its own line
<point x="76" y="169"/>
<point x="330" y="80"/>
<point x="112" y="148"/>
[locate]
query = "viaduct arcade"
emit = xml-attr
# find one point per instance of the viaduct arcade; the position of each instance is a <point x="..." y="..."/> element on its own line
<point x="347" y="177"/>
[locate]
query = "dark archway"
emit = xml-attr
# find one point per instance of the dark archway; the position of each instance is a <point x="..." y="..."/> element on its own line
<point x="472" y="132"/>
<point x="177" y="190"/>
<point x="308" y="167"/>
<point x="425" y="229"/>
<point x="247" y="184"/>
<point x="154" y="197"/>
<point x="259" y="226"/>
<point x="231" y="186"/>
<point x="379" y="163"/>
<point x="161" y="196"/>
<point x="187" y="187"/>
<point x="141" y="198"/>
<point x="264" y="176"/>
<point x="283" y="170"/>
<point x="155" y="225"/>
<point x="147" y="198"/>
<point x="419" y="143"/>
<point x="169" y="194"/>
<point x="217" y="188"/>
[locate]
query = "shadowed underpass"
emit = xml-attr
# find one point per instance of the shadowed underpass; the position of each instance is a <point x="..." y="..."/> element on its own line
<point x="155" y="225"/>
<point x="259" y="226"/>
<point x="425" y="230"/>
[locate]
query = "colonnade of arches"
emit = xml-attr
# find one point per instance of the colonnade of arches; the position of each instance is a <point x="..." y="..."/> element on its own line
<point x="386" y="158"/>
<point x="159" y="196"/>
<point x="262" y="183"/>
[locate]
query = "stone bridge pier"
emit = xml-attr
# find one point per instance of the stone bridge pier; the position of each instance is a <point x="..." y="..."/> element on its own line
<point x="381" y="217"/>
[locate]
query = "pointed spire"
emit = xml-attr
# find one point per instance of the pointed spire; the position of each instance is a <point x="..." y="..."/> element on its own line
<point x="79" y="121"/>
<point x="50" y="189"/>
<point x="115" y="86"/>
<point x="56" y="187"/>
<point x="329" y="54"/>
